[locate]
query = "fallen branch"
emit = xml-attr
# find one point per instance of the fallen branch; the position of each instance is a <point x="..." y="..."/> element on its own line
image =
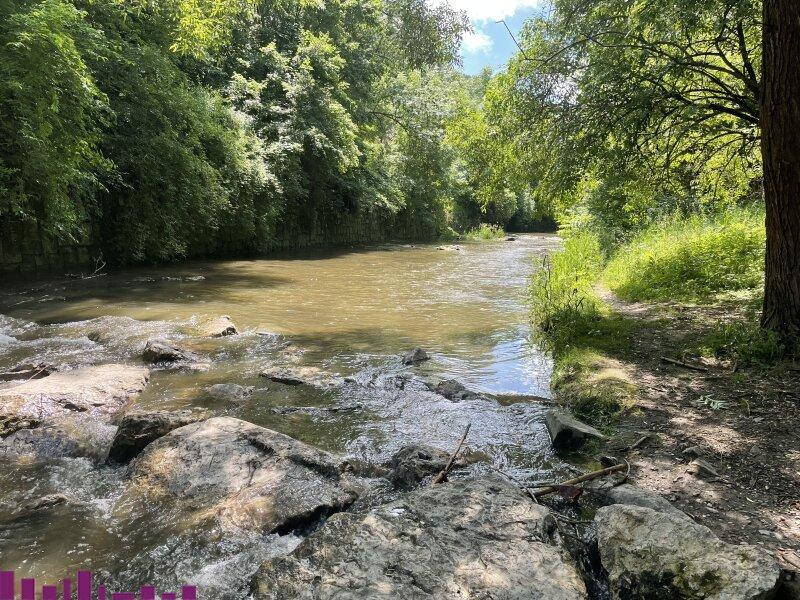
<point x="581" y="479"/>
<point x="442" y="476"/>
<point x="672" y="361"/>
<point x="637" y="443"/>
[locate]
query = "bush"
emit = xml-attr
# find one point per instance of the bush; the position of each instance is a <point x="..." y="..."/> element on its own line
<point x="691" y="258"/>
<point x="485" y="232"/>
<point x="563" y="303"/>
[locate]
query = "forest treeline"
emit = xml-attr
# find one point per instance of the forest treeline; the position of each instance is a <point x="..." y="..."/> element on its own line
<point x="182" y="127"/>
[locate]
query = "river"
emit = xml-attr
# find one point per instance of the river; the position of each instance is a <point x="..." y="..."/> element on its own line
<point x="350" y="312"/>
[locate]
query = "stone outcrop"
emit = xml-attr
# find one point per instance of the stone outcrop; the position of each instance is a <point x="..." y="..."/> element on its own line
<point x="241" y="475"/>
<point x="137" y="429"/>
<point x="653" y="555"/>
<point x="217" y="327"/>
<point x="68" y="413"/>
<point x="568" y="432"/>
<point x="465" y="539"/>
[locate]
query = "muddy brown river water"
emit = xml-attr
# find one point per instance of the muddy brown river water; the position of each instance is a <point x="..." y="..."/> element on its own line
<point x="351" y="313"/>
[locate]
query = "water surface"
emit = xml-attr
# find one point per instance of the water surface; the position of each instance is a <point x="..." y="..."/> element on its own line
<point x="349" y="312"/>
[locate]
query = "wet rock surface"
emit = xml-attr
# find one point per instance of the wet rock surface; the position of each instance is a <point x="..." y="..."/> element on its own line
<point x="636" y="496"/>
<point x="567" y="432"/>
<point x="455" y="391"/>
<point x="137" y="429"/>
<point x="230" y="392"/>
<point x="68" y="413"/>
<point x="299" y="376"/>
<point x="413" y="464"/>
<point x="466" y="539"/>
<point x="415" y="357"/>
<point x="164" y="351"/>
<point x="242" y="475"/>
<point x="657" y="555"/>
<point x="217" y="327"/>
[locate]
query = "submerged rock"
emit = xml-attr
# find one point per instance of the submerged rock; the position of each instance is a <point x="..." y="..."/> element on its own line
<point x="650" y="554"/>
<point x="298" y="376"/>
<point x="230" y="392"/>
<point x="466" y="539"/>
<point x="242" y="475"/>
<point x="28" y="371"/>
<point x="68" y="413"/>
<point x="415" y="356"/>
<point x="164" y="351"/>
<point x="568" y="432"/>
<point x="137" y="429"/>
<point x="217" y="327"/>
<point x="455" y="391"/>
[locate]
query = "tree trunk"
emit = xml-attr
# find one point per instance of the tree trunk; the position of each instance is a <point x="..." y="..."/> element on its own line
<point x="780" y="149"/>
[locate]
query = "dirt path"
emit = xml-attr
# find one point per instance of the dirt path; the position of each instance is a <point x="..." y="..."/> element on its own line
<point x="724" y="444"/>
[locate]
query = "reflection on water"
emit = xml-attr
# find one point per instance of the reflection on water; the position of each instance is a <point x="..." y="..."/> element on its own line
<point x="350" y="312"/>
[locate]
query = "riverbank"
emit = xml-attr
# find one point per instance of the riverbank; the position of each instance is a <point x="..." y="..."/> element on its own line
<point x="716" y="438"/>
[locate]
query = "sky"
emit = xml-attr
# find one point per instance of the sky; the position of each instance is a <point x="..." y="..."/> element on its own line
<point x="489" y="44"/>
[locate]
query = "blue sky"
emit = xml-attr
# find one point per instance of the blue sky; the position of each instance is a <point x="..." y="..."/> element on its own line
<point x="489" y="44"/>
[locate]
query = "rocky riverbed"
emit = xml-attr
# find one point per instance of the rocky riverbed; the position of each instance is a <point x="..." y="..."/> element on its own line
<point x="287" y="520"/>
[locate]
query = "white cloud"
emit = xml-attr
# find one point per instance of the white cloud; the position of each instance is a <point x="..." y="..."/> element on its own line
<point x="476" y="42"/>
<point x="492" y="10"/>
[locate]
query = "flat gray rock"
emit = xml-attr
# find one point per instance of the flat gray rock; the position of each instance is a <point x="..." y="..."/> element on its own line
<point x="241" y="475"/>
<point x="68" y="413"/>
<point x="568" y="432"/>
<point x="656" y="555"/>
<point x="164" y="351"/>
<point x="415" y="356"/>
<point x="481" y="539"/>
<point x="636" y="496"/>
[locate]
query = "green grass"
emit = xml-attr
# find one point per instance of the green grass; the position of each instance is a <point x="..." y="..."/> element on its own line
<point x="691" y="259"/>
<point x="582" y="332"/>
<point x="485" y="231"/>
<point x="744" y="342"/>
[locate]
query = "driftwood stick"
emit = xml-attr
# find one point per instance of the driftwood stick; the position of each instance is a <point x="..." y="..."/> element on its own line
<point x="442" y="476"/>
<point x="637" y="443"/>
<point x="581" y="479"/>
<point x="679" y="363"/>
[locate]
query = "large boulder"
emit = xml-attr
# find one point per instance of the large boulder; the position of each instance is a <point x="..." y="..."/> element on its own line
<point x="567" y="432"/>
<point x="242" y="475"/>
<point x="217" y="327"/>
<point x="68" y="413"/>
<point x="466" y="539"/>
<point x="137" y="429"/>
<point x="656" y="555"/>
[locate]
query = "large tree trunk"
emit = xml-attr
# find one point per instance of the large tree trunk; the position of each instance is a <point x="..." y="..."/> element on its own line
<point x="780" y="148"/>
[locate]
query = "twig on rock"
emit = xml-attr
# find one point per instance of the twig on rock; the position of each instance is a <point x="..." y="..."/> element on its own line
<point x="442" y="476"/>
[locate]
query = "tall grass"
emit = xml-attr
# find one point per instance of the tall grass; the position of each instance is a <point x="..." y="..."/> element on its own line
<point x="562" y="300"/>
<point x="691" y="259"/>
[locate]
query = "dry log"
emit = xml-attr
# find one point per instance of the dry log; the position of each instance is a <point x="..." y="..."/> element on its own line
<point x="581" y="479"/>
<point x="679" y="363"/>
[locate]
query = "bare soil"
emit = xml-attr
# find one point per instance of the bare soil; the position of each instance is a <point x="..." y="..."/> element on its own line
<point x="742" y="425"/>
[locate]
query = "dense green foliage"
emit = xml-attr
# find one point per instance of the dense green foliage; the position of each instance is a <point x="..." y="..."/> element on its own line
<point x="190" y="128"/>
<point x="691" y="258"/>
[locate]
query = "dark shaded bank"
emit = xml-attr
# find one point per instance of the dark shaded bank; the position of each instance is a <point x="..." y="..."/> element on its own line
<point x="24" y="247"/>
